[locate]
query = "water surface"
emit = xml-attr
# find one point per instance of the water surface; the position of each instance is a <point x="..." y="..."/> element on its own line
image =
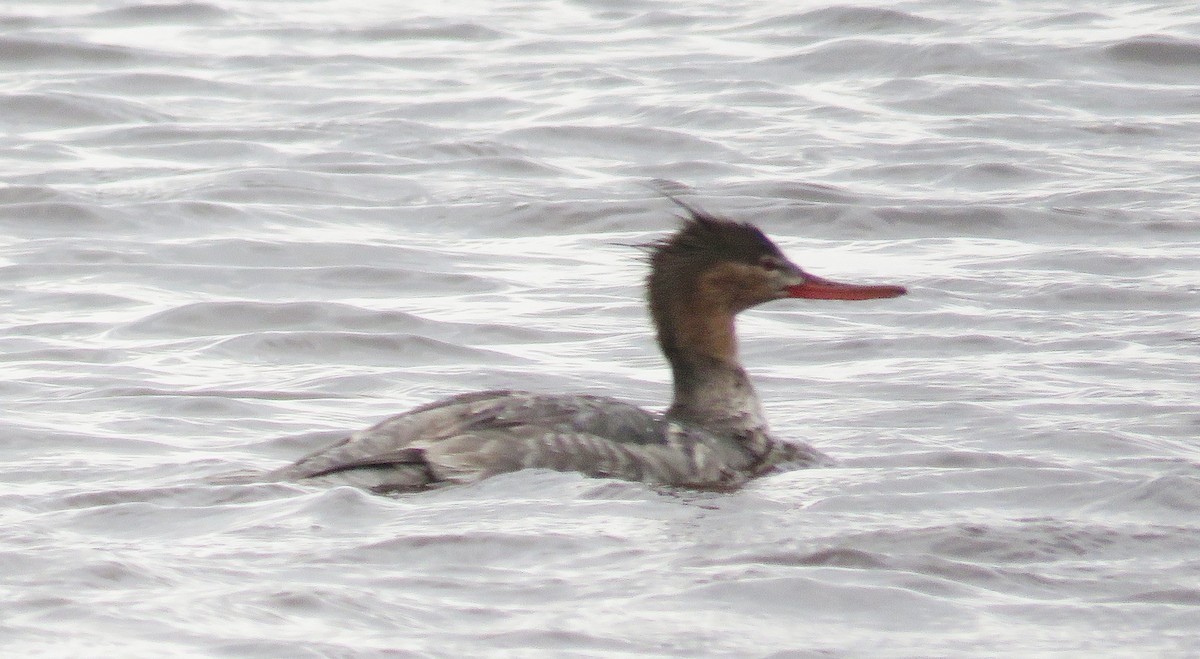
<point x="230" y="232"/>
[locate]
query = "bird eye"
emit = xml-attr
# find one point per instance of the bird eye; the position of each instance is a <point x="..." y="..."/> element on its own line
<point x="769" y="264"/>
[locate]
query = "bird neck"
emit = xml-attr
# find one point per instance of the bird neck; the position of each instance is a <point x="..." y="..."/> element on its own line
<point x="711" y="388"/>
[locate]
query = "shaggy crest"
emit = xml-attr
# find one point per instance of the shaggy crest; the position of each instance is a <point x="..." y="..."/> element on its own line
<point x="705" y="238"/>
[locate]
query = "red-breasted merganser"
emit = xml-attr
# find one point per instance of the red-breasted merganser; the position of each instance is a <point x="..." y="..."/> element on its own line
<point x="713" y="436"/>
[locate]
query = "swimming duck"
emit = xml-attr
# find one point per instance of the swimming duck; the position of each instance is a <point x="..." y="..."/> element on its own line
<point x="713" y="435"/>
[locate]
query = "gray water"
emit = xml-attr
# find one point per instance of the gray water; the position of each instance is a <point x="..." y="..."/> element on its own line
<point x="232" y="231"/>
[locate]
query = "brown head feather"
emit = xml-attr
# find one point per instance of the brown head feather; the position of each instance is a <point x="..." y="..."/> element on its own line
<point x="705" y="239"/>
<point x="682" y="266"/>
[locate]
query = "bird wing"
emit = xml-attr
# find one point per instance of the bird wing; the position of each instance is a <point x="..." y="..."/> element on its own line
<point x="469" y="436"/>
